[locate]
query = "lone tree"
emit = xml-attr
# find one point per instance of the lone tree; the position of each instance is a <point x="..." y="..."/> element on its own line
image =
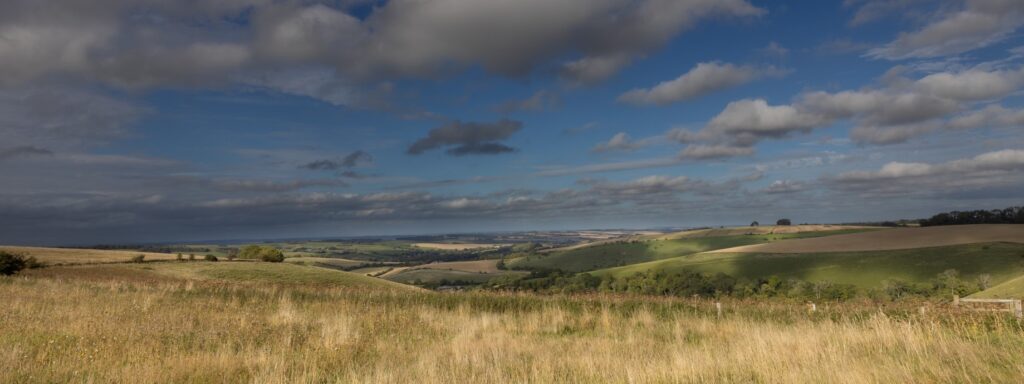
<point x="755" y="224"/>
<point x="783" y="222"/>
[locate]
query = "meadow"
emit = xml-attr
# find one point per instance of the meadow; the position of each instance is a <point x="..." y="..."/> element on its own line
<point x="193" y="326"/>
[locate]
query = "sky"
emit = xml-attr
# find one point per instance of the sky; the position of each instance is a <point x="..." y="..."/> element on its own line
<point x="130" y="121"/>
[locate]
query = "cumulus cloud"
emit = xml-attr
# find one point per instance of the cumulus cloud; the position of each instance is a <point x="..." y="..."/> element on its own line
<point x="620" y="142"/>
<point x="987" y="170"/>
<point x="783" y="186"/>
<point x="469" y="138"/>
<point x="703" y="79"/>
<point x="978" y="24"/>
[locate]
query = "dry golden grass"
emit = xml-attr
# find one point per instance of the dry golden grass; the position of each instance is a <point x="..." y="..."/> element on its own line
<point x="899" y="238"/>
<point x="455" y="246"/>
<point x="70" y="256"/>
<point x="74" y="330"/>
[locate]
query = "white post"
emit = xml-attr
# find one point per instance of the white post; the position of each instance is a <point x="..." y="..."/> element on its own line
<point x="956" y="300"/>
<point x="814" y="307"/>
<point x="718" y="306"/>
<point x="1018" y="311"/>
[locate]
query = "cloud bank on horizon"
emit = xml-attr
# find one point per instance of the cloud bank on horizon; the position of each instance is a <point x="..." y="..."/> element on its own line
<point x="160" y="120"/>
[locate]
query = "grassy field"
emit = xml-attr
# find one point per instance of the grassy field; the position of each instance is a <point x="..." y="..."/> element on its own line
<point x="224" y="272"/>
<point x="625" y="253"/>
<point x="1002" y="261"/>
<point x="456" y="246"/>
<point x="62" y="328"/>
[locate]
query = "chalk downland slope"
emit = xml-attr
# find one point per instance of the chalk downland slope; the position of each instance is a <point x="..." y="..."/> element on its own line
<point x="74" y="256"/>
<point x="899" y="238"/>
<point x="622" y="253"/>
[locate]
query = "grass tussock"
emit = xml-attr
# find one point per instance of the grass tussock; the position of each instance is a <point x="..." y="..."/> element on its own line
<point x="88" y="330"/>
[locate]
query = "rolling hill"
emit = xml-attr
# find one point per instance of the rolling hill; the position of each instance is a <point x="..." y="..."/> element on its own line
<point x="898" y="238"/>
<point x="622" y="253"/>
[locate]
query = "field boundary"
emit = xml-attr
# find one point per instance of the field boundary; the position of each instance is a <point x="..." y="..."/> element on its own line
<point x="1012" y="305"/>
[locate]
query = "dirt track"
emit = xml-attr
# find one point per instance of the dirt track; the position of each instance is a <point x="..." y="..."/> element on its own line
<point x="900" y="238"/>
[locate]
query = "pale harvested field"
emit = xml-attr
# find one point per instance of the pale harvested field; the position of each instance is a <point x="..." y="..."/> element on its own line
<point x="898" y="238"/>
<point x="456" y="247"/>
<point x="760" y="230"/>
<point x="476" y="266"/>
<point x="53" y="256"/>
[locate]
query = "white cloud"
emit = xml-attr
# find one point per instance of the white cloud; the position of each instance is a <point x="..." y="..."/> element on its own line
<point x="980" y="23"/>
<point x="701" y="80"/>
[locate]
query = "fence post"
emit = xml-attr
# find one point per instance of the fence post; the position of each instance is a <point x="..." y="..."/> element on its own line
<point x="814" y="307"/>
<point x="956" y="300"/>
<point x="718" y="306"/>
<point x="1018" y="311"/>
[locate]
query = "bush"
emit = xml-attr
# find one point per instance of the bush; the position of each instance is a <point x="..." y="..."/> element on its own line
<point x="11" y="263"/>
<point x="180" y="257"/>
<point x="191" y="257"/>
<point x="137" y="258"/>
<point x="209" y="257"/>
<point x="261" y="252"/>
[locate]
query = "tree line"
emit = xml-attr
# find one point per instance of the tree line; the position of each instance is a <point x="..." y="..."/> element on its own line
<point x="1011" y="215"/>
<point x="717" y="285"/>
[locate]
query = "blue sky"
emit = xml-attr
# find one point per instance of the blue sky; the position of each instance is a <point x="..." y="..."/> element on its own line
<point x="154" y="120"/>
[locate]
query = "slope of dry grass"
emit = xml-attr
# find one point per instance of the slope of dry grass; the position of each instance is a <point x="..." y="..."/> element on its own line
<point x="71" y="256"/>
<point x="67" y="330"/>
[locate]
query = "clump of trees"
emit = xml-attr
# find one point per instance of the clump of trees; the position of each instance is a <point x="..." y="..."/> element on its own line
<point x="1011" y="215"/>
<point x="784" y="222"/>
<point x="11" y="263"/>
<point x="210" y="257"/>
<point x="261" y="252"/>
<point x="138" y="258"/>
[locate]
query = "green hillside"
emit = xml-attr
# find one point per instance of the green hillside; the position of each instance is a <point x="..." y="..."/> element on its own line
<point x="1003" y="261"/>
<point x="627" y="253"/>
<point x="1009" y="289"/>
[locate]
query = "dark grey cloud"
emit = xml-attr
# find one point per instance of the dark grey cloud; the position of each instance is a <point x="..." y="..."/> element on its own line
<point x="10" y="153"/>
<point x="60" y="118"/>
<point x="320" y="49"/>
<point x="468" y="138"/>
<point x="539" y="101"/>
<point x="349" y="161"/>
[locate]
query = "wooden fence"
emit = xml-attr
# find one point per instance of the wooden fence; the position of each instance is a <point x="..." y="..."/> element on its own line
<point x="995" y="305"/>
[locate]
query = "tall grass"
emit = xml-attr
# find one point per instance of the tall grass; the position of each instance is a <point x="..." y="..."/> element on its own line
<point x="54" y="330"/>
